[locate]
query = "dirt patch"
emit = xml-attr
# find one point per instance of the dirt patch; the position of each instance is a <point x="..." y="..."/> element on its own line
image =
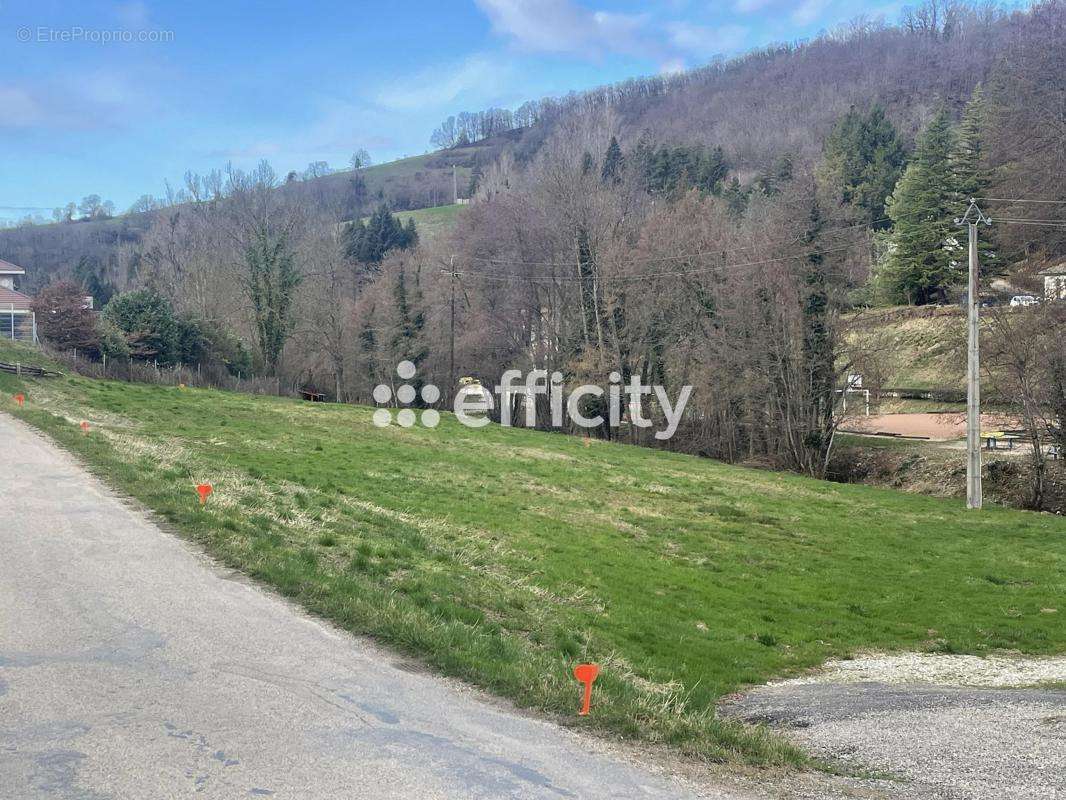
<point x="939" y="470"/>
<point x="939" y="427"/>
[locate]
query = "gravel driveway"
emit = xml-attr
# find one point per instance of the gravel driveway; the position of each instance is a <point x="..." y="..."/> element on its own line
<point x="921" y="740"/>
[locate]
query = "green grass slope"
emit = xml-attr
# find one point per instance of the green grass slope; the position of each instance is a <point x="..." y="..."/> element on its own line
<point x="506" y="556"/>
<point x="432" y="222"/>
<point x="404" y="167"/>
<point x="914" y="348"/>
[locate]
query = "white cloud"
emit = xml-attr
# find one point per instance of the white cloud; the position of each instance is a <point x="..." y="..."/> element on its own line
<point x="337" y="126"/>
<point x="889" y="11"/>
<point x="564" y="26"/>
<point x="91" y="100"/>
<point x="750" y="6"/>
<point x="476" y="79"/>
<point x="254" y="151"/>
<point x="133" y="16"/>
<point x="560" y="26"/>
<point x="672" y="66"/>
<point x="808" y="11"/>
<point x="21" y="110"/>
<point x="704" y="41"/>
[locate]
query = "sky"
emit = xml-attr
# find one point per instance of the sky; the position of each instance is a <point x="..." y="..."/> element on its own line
<point x="114" y="98"/>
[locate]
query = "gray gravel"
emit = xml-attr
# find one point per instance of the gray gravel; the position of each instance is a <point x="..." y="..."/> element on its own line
<point x="929" y="741"/>
<point x="943" y="669"/>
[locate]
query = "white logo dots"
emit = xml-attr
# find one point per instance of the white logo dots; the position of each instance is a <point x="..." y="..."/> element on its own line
<point x="405" y="396"/>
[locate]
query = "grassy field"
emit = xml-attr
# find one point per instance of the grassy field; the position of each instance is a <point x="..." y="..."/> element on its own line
<point x="412" y="168"/>
<point x="505" y="556"/>
<point x="431" y="222"/>
<point x="916" y="352"/>
<point x="403" y="167"/>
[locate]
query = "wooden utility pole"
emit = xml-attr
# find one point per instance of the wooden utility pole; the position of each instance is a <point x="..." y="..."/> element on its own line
<point x="974" y="216"/>
<point x="451" y="344"/>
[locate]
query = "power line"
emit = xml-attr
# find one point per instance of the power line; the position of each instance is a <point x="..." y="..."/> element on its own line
<point x="644" y="276"/>
<point x="710" y="253"/>
<point x="649" y="260"/>
<point x="1028" y="219"/>
<point x="658" y="259"/>
<point x="1036" y="222"/>
<point x="1020" y="200"/>
<point x="703" y="254"/>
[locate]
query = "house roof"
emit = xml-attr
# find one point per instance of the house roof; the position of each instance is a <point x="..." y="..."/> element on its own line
<point x="7" y="268"/>
<point x="11" y="299"/>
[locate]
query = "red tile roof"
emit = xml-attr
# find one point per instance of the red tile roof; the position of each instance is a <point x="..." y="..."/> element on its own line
<point x="7" y="266"/>
<point x="9" y="298"/>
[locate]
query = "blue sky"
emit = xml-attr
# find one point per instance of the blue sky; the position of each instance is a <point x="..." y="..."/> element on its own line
<point x="235" y="81"/>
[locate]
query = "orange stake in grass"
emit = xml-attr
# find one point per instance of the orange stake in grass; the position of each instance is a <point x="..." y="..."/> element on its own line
<point x="20" y="398"/>
<point x="586" y="673"/>
<point x="204" y="490"/>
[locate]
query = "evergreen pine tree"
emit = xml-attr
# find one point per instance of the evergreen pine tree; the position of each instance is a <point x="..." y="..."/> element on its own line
<point x="407" y="340"/>
<point x="410" y="234"/>
<point x="736" y="197"/>
<point x="613" y="162"/>
<point x="713" y="169"/>
<point x="819" y="348"/>
<point x="924" y="257"/>
<point x="780" y="173"/>
<point x="968" y="161"/>
<point x="659" y="174"/>
<point x="864" y="159"/>
<point x="91" y="277"/>
<point x="369" y="242"/>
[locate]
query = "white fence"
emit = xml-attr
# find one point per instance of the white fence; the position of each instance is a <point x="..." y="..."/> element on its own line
<point x="18" y="324"/>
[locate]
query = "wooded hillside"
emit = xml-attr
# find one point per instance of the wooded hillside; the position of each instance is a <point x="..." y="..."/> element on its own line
<point x="712" y="230"/>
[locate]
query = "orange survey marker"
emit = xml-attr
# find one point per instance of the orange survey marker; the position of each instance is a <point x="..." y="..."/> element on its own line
<point x="20" y="398"/>
<point x="586" y="673"/>
<point x="84" y="426"/>
<point x="204" y="490"/>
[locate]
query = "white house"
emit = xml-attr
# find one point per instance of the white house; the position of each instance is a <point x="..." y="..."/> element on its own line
<point x="9" y="274"/>
<point x="16" y="315"/>
<point x="1055" y="281"/>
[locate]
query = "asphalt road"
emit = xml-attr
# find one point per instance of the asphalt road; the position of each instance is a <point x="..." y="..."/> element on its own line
<point x="133" y="667"/>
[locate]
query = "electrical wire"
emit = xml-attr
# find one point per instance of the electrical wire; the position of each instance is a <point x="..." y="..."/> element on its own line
<point x="676" y="257"/>
<point x="642" y="277"/>
<point x="1020" y="200"/>
<point x="1011" y="220"/>
<point x="703" y="254"/>
<point x="720" y="268"/>
<point x="1037" y="223"/>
